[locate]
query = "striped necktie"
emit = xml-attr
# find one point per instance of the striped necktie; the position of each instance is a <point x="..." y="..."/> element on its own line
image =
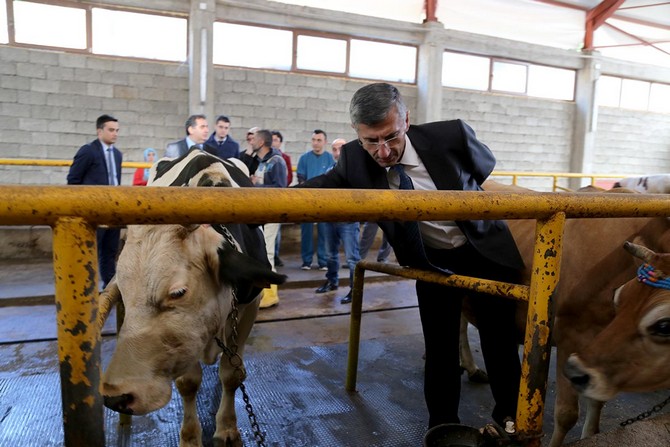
<point x="412" y="226"/>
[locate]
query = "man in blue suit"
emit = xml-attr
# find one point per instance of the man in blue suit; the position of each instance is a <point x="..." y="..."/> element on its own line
<point x="99" y="163"/>
<point x="225" y="146"/>
<point x="197" y="131"/>
<point x="389" y="153"/>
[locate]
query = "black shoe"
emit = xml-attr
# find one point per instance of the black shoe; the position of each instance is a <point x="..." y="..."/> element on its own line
<point x="346" y="299"/>
<point x="326" y="287"/>
<point x="278" y="262"/>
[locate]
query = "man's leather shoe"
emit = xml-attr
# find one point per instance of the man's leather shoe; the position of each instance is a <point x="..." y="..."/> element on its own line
<point x="346" y="299"/>
<point x="326" y="287"/>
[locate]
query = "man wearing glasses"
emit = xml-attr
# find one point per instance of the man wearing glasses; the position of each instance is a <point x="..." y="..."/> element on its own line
<point x="392" y="154"/>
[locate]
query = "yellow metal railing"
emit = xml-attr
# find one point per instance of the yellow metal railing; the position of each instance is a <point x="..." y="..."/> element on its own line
<point x="514" y="175"/>
<point x="75" y="211"/>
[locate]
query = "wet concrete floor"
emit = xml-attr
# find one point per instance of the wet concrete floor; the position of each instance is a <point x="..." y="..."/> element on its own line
<point x="296" y="359"/>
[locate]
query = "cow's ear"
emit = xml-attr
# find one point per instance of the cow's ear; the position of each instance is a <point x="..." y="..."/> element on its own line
<point x="245" y="272"/>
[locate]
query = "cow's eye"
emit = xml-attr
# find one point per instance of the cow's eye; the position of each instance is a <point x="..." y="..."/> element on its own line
<point x="661" y="328"/>
<point x="178" y="293"/>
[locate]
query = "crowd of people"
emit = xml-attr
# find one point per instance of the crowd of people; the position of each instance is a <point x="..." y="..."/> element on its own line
<point x="388" y="153"/>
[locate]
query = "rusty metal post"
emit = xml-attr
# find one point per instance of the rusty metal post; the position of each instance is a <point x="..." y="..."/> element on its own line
<point x="355" y="326"/>
<point x="79" y="354"/>
<point x="537" y="344"/>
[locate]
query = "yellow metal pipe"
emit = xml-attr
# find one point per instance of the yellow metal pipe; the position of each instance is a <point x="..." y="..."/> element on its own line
<point x="28" y="162"/>
<point x="36" y="205"/>
<point x="537" y="348"/>
<point x="76" y="281"/>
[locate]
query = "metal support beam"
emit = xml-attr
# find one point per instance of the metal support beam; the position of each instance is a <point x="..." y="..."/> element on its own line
<point x="76" y="280"/>
<point x="596" y="17"/>
<point x="431" y="9"/>
<point x="537" y="343"/>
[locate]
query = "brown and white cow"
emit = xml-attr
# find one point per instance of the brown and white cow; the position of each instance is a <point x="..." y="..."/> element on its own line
<point x="593" y="265"/>
<point x="177" y="284"/>
<point x="632" y="353"/>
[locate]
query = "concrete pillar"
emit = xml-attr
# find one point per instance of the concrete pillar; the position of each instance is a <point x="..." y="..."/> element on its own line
<point x="200" y="73"/>
<point x="585" y="120"/>
<point x="429" y="75"/>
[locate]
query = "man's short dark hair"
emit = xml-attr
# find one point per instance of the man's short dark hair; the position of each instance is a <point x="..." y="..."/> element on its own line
<point x="266" y="136"/>
<point x="190" y="122"/>
<point x="102" y="119"/>
<point x="223" y="118"/>
<point x="319" y="131"/>
<point x="371" y="104"/>
<point x="278" y="134"/>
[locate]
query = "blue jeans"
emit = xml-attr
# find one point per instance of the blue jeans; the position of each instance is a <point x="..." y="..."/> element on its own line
<point x="347" y="233"/>
<point x="307" y="243"/>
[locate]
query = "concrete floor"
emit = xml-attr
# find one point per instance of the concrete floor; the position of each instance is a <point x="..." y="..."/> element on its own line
<point x="296" y="358"/>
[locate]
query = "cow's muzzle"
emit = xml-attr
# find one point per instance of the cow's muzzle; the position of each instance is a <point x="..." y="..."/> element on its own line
<point x="576" y="374"/>
<point x="119" y="403"/>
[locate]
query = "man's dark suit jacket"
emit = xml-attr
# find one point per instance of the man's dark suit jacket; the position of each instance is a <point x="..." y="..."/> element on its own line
<point x="180" y="148"/>
<point x="89" y="166"/>
<point x="455" y="160"/>
<point x="229" y="149"/>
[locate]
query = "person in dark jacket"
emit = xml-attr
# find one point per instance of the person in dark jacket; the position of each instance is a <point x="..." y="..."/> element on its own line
<point x="446" y="155"/>
<point x="222" y="143"/>
<point x="99" y="163"/>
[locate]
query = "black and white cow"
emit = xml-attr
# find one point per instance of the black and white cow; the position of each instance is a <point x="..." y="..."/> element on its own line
<point x="177" y="284"/>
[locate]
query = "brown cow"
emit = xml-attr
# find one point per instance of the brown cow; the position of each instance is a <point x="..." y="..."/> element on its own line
<point x="633" y="352"/>
<point x="593" y="265"/>
<point x="179" y="285"/>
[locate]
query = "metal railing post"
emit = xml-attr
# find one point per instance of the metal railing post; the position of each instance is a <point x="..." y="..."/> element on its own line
<point x="355" y="326"/>
<point x="79" y="352"/>
<point x="537" y="344"/>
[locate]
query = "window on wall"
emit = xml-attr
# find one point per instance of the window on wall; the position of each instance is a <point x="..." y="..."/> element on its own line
<point x="486" y="73"/>
<point x="49" y="25"/>
<point x="122" y="33"/>
<point x="633" y="94"/>
<point x="252" y="46"/>
<point x="4" y="33"/>
<point x="385" y="61"/>
<point x="509" y="77"/>
<point x="659" y="98"/>
<point x="465" y="71"/>
<point x="321" y="54"/>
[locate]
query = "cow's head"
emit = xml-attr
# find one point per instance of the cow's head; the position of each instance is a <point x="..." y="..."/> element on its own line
<point x="632" y="353"/>
<point x="176" y="284"/>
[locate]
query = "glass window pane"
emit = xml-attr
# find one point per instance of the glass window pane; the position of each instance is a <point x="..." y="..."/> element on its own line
<point x="609" y="91"/>
<point x="385" y="61"/>
<point x="4" y="36"/>
<point x="509" y="77"/>
<point x="322" y="54"/>
<point x="123" y="33"/>
<point x="253" y="46"/>
<point x="659" y="100"/>
<point x="465" y="71"/>
<point x="49" y="25"/>
<point x="634" y="94"/>
<point x="549" y="82"/>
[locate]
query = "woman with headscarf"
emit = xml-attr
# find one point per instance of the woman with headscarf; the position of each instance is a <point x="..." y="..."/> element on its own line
<point x="142" y="174"/>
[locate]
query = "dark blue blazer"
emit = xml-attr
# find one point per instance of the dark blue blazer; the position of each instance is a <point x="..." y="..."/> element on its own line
<point x="229" y="149"/>
<point x="180" y="148"/>
<point x="89" y="166"/>
<point x="455" y="160"/>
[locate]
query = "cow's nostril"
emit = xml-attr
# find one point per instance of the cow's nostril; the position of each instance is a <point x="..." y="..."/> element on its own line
<point x="119" y="403"/>
<point x="580" y="381"/>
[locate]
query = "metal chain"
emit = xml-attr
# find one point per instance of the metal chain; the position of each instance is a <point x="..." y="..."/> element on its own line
<point x="235" y="361"/>
<point x="646" y="414"/>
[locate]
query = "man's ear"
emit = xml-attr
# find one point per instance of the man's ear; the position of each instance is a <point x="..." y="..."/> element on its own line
<point x="245" y="273"/>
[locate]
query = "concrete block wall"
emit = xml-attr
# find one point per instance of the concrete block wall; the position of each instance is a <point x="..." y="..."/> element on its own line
<point x="49" y="101"/>
<point x="632" y="142"/>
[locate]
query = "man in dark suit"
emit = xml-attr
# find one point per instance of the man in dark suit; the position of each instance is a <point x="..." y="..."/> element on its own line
<point x="197" y="131"/>
<point x="99" y="163"/>
<point x="392" y="154"/>
<point x="221" y="141"/>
